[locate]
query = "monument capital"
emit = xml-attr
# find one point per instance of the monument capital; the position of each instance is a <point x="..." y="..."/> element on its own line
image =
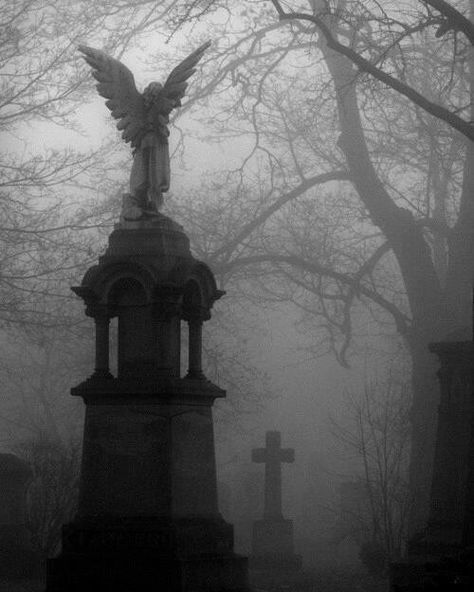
<point x="149" y="280"/>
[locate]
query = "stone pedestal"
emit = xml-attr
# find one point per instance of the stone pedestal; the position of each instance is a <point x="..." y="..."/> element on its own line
<point x="272" y="546"/>
<point x="148" y="517"/>
<point x="442" y="556"/>
<point x="18" y="559"/>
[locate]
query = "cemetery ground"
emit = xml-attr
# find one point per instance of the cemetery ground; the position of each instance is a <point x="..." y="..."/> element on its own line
<point x="327" y="577"/>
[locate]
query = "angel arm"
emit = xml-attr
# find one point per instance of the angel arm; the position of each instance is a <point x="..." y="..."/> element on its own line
<point x="116" y="83"/>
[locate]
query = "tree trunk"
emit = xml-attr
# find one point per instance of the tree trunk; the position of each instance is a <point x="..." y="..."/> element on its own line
<point x="430" y="317"/>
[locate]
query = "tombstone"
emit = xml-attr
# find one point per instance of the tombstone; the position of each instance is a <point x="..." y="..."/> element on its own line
<point x="148" y="514"/>
<point x="442" y="557"/>
<point x="18" y="559"/>
<point x="272" y="537"/>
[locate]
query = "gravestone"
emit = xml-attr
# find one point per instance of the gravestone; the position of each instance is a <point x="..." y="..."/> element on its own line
<point x="272" y="537"/>
<point x="18" y="559"/>
<point x="148" y="514"/>
<point x="442" y="556"/>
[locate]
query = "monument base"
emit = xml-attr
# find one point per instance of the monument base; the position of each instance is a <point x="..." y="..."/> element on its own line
<point x="272" y="546"/>
<point x="147" y="572"/>
<point x="432" y="565"/>
<point x="18" y="559"/>
<point x="433" y="574"/>
<point x="148" y="554"/>
<point x="276" y="563"/>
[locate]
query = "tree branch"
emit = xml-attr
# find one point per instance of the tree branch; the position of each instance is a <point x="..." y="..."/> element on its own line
<point x="287" y="197"/>
<point x="402" y="322"/>
<point x="456" y="19"/>
<point x="456" y="122"/>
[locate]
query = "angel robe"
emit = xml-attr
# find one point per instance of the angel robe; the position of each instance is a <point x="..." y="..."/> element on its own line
<point x="150" y="175"/>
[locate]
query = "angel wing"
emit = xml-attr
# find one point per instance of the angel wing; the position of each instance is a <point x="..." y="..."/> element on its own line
<point x="117" y="84"/>
<point x="175" y="86"/>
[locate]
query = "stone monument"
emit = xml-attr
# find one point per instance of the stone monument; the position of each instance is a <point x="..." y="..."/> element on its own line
<point x="18" y="558"/>
<point x="442" y="556"/>
<point x="272" y="537"/>
<point x="148" y="514"/>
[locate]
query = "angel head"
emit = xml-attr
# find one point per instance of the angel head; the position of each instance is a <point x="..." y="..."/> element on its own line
<point x="151" y="93"/>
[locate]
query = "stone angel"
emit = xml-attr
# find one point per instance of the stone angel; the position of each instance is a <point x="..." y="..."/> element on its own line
<point x="143" y="119"/>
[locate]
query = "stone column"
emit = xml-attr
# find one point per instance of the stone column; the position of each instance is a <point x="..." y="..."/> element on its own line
<point x="102" y="346"/>
<point x="195" y="348"/>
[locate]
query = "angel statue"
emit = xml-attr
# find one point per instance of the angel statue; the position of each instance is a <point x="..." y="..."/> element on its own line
<point x="144" y="120"/>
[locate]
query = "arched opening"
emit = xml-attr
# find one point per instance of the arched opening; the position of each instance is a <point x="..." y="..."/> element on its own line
<point x="193" y="313"/>
<point x="184" y="349"/>
<point x="135" y="346"/>
<point x="113" y="340"/>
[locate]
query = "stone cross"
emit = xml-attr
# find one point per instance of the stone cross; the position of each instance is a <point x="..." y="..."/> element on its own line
<point x="273" y="455"/>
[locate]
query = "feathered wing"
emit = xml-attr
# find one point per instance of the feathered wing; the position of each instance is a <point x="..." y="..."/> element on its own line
<point x="117" y="85"/>
<point x="175" y="86"/>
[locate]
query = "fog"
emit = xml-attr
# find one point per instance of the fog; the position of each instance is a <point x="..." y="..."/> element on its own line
<point x="328" y="201"/>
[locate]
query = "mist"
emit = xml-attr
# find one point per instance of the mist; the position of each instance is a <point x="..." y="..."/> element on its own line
<point x="321" y="169"/>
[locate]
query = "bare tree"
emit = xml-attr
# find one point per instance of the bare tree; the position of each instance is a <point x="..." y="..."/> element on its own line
<point x="330" y="197"/>
<point x="400" y="236"/>
<point x="52" y="495"/>
<point x="50" y="191"/>
<point x="447" y="18"/>
<point x="376" y="504"/>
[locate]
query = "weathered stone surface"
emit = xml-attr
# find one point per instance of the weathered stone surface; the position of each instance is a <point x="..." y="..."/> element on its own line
<point x="144" y="460"/>
<point x="148" y="516"/>
<point x="18" y="559"/>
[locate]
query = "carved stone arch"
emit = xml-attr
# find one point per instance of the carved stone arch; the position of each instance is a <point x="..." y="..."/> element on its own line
<point x="116" y="278"/>
<point x="199" y="291"/>
<point x="127" y="291"/>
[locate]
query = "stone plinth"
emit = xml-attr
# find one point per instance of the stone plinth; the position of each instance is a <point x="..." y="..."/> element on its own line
<point x="148" y="516"/>
<point x="18" y="559"/>
<point x="442" y="556"/>
<point x="272" y="545"/>
<point x="146" y="457"/>
<point x="272" y="537"/>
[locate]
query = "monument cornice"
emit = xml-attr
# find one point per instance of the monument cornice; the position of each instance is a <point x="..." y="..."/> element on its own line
<point x="161" y="389"/>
